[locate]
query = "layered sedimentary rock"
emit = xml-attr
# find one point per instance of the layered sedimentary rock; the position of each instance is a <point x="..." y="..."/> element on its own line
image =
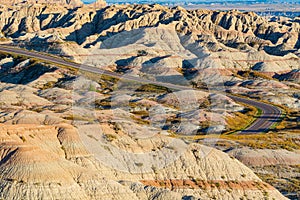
<point x="45" y="116"/>
<point x="52" y="146"/>
<point x="51" y="162"/>
<point x="227" y="41"/>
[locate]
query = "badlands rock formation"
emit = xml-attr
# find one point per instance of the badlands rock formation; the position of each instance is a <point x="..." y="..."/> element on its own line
<point x="226" y="40"/>
<point x="50" y="149"/>
<point x="50" y="162"/>
<point x="64" y="136"/>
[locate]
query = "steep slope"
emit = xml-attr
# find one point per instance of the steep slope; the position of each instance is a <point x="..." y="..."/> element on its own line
<point x="63" y="136"/>
<point x="53" y="146"/>
<point x="224" y="41"/>
<point x="50" y="162"/>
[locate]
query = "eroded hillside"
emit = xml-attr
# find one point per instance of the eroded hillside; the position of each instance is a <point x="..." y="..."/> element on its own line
<point x="51" y="147"/>
<point x="66" y="133"/>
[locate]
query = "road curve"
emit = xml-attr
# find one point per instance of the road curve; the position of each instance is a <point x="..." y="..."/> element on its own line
<point x="270" y="114"/>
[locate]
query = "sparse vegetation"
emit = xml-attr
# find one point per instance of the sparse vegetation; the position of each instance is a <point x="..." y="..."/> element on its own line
<point x="183" y="58"/>
<point x="110" y="137"/>
<point x="23" y="138"/>
<point x="93" y="137"/>
<point x="261" y="141"/>
<point x="242" y="120"/>
<point x="48" y="85"/>
<point x="250" y="74"/>
<point x="78" y="118"/>
<point x="139" y="164"/>
<point x="139" y="120"/>
<point x="152" y="88"/>
<point x="142" y="53"/>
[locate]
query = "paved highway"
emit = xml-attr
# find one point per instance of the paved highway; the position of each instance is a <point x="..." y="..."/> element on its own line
<point x="270" y="114"/>
<point x="83" y="67"/>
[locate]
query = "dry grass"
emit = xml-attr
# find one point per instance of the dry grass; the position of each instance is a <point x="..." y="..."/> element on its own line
<point x="278" y="176"/>
<point x="289" y="141"/>
<point x="110" y="137"/>
<point x="242" y="120"/>
<point x="254" y="74"/>
<point x="290" y="121"/>
<point x="267" y="141"/>
<point x="78" y="118"/>
<point x="139" y="120"/>
<point x="153" y="88"/>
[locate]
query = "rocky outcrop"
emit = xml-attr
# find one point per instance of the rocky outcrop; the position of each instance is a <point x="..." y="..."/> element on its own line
<point x="51" y="162"/>
<point x="64" y="136"/>
<point x="225" y="41"/>
<point x="229" y="28"/>
<point x="53" y="146"/>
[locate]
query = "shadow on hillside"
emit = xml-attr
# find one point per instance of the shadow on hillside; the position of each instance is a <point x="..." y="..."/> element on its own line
<point x="101" y="23"/>
<point x="26" y="75"/>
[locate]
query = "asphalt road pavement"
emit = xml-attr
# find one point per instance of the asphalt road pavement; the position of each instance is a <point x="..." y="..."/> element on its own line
<point x="270" y="114"/>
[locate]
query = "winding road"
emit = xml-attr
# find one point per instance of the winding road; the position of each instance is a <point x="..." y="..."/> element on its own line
<point x="270" y="114"/>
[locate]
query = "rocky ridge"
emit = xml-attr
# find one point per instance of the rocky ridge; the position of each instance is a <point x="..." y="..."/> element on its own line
<point x="226" y="42"/>
<point x="44" y="152"/>
<point x="46" y="110"/>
